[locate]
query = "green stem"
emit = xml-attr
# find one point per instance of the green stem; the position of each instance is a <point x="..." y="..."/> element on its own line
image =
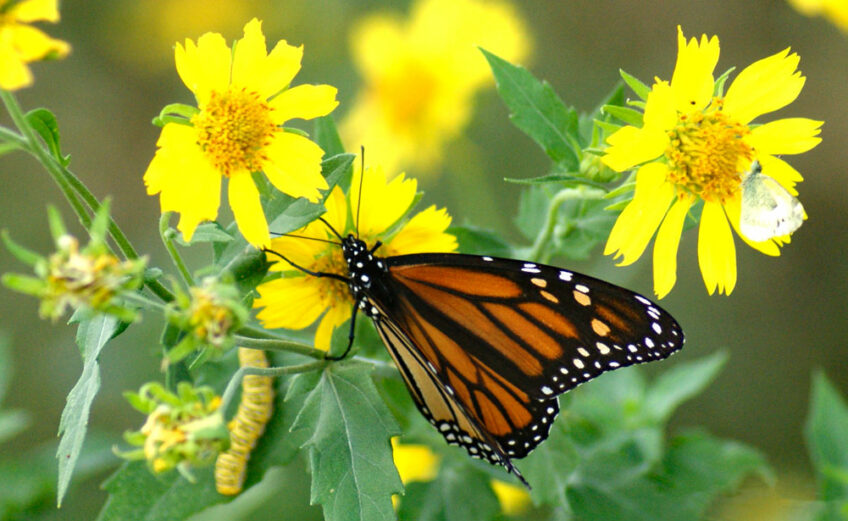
<point x="166" y="234"/>
<point x="269" y="344"/>
<point x="257" y="332"/>
<point x="566" y="194"/>
<point x="72" y="188"/>
<point x="235" y="381"/>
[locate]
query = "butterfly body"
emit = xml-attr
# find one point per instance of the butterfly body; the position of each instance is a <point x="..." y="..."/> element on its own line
<point x="485" y="344"/>
<point x="768" y="209"/>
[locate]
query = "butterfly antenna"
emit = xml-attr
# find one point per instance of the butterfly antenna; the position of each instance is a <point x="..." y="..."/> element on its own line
<point x="328" y="275"/>
<point x="293" y="236"/>
<point x="361" y="180"/>
<point x="330" y="226"/>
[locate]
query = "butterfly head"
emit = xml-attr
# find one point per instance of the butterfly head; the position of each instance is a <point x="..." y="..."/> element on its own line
<point x="363" y="267"/>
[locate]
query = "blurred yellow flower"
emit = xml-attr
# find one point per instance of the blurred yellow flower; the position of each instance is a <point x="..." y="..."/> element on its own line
<point x="243" y="96"/>
<point x="834" y="10"/>
<point x="514" y="499"/>
<point x="296" y="301"/>
<point x="695" y="145"/>
<point x="420" y="76"/>
<point x="21" y="44"/>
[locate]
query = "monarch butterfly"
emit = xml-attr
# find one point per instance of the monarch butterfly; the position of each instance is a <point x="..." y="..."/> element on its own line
<point x="247" y="426"/>
<point x="486" y="344"/>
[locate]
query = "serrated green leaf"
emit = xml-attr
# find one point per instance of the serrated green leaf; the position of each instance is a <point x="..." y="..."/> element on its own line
<point x="458" y="493"/>
<point x="327" y="136"/>
<point x="92" y="336"/>
<point x="639" y="88"/>
<point x="135" y="493"/>
<point x="479" y="241"/>
<point x="44" y="122"/>
<point x="537" y="110"/>
<point x="353" y="474"/>
<point x="681" y="382"/>
<point x="625" y="114"/>
<point x="826" y="432"/>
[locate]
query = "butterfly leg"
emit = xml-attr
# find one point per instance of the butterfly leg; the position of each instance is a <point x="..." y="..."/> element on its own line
<point x="350" y="335"/>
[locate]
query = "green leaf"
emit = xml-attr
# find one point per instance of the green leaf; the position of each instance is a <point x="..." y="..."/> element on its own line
<point x="44" y="122"/>
<point x="458" y="493"/>
<point x="135" y="493"/>
<point x="625" y="114"/>
<point x="826" y="432"/>
<point x="353" y="474"/>
<point x="295" y="216"/>
<point x="696" y="469"/>
<point x="327" y="136"/>
<point x="681" y="382"/>
<point x="337" y="170"/>
<point x="92" y="336"/>
<point x="206" y="232"/>
<point x="97" y="230"/>
<point x="635" y="84"/>
<point x="55" y="222"/>
<point x="550" y="467"/>
<point x="538" y="111"/>
<point x="479" y="241"/>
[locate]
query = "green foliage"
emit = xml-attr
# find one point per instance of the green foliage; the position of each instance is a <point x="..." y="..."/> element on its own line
<point x="92" y="336"/>
<point x="458" y="493"/>
<point x="827" y="438"/>
<point x="353" y="476"/>
<point x="44" y="122"/>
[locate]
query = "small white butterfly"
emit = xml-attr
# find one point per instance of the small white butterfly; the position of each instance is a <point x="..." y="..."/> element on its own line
<point x="768" y="209"/>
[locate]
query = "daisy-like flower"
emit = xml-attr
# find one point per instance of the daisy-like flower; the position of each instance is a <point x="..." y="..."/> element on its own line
<point x="243" y="98"/>
<point x="695" y="146"/>
<point x="296" y="301"/>
<point x="21" y="43"/>
<point x="420" y="76"/>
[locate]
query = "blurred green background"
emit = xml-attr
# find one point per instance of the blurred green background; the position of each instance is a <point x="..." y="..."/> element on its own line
<point x="785" y="318"/>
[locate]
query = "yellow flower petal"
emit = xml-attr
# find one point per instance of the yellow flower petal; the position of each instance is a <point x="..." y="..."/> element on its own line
<point x="335" y="316"/>
<point x="514" y="499"/>
<point x="661" y="108"/>
<point x="764" y="86"/>
<point x="244" y="201"/>
<point x="304" y="102"/>
<point x="249" y="57"/>
<point x="294" y="166"/>
<point x="281" y="66"/>
<point x="32" y="44"/>
<point x="786" y="136"/>
<point x="204" y="66"/>
<point x="716" y="251"/>
<point x="186" y="181"/>
<point x="383" y="202"/>
<point x="291" y="303"/>
<point x="665" y="246"/>
<point x="14" y="74"/>
<point x="414" y="462"/>
<point x="637" y="223"/>
<point x="648" y="180"/>
<point x="302" y="252"/>
<point x="336" y="205"/>
<point x="631" y="146"/>
<point x="425" y="232"/>
<point x="693" y="81"/>
<point x="36" y="10"/>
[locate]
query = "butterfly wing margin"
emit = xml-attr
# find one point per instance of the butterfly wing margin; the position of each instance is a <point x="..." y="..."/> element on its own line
<point x="437" y="403"/>
<point x="768" y="210"/>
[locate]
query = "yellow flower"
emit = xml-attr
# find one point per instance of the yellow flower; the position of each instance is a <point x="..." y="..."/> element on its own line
<point x="420" y="76"/>
<point x="243" y="98"/>
<point x="834" y="10"/>
<point x="514" y="499"/>
<point x="694" y="146"/>
<point x="296" y="301"/>
<point x="21" y="44"/>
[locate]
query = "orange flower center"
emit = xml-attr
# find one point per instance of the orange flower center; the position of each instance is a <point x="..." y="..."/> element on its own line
<point x="233" y="130"/>
<point x="332" y="291"/>
<point x="705" y="152"/>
